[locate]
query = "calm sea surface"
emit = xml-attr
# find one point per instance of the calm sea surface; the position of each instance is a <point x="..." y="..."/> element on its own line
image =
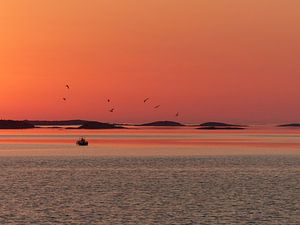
<point x="150" y="177"/>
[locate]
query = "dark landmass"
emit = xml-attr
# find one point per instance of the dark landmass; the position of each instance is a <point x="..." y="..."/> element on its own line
<point x="50" y="127"/>
<point x="218" y="124"/>
<point x="94" y="125"/>
<point x="123" y="124"/>
<point x="163" y="124"/>
<point x="57" y="123"/>
<point x="13" y="124"/>
<point x="290" y="125"/>
<point x="220" y="128"/>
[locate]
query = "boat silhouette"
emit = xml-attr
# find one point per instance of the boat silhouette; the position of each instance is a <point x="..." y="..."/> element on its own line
<point x="82" y="142"/>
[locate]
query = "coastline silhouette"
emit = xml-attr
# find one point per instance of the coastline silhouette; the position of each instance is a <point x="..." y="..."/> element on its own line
<point x="87" y="124"/>
<point x="163" y="124"/>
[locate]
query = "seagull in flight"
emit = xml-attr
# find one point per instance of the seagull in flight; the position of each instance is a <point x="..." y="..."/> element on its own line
<point x="112" y="110"/>
<point x="67" y="86"/>
<point x="146" y="100"/>
<point x="156" y="107"/>
<point x="108" y="100"/>
<point x="64" y="99"/>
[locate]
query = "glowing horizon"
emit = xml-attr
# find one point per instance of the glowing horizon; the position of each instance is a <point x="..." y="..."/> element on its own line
<point x="233" y="61"/>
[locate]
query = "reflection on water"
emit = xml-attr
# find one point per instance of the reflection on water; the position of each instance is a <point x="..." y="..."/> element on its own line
<point x="150" y="177"/>
<point x="138" y="190"/>
<point x="149" y="142"/>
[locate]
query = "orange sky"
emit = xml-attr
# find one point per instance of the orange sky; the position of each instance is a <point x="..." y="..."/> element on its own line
<point x="227" y="60"/>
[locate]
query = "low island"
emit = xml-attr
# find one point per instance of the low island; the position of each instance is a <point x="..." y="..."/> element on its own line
<point x="57" y="122"/>
<point x="14" y="124"/>
<point x="94" y="125"/>
<point x="290" y="125"/>
<point x="163" y="124"/>
<point x="220" y="126"/>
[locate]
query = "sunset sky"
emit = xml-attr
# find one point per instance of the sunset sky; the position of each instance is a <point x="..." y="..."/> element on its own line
<point x="226" y="60"/>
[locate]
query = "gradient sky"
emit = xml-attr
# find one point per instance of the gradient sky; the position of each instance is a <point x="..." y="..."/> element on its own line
<point x="225" y="60"/>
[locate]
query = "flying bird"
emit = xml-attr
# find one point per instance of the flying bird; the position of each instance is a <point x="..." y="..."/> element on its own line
<point x="112" y="110"/>
<point x="64" y="99"/>
<point x="156" y="107"/>
<point x="146" y="100"/>
<point x="177" y="114"/>
<point x="67" y="86"/>
<point x="108" y="100"/>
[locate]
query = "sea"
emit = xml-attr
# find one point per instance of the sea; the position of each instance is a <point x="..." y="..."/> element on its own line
<point x="150" y="176"/>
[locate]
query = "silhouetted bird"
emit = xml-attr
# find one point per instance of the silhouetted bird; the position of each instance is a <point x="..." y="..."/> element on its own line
<point x="64" y="99"/>
<point x="146" y="100"/>
<point x="156" y="107"/>
<point x="177" y="114"/>
<point x="67" y="86"/>
<point x="108" y="100"/>
<point x="112" y="110"/>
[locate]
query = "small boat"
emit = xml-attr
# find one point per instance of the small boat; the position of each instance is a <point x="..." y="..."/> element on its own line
<point x="82" y="142"/>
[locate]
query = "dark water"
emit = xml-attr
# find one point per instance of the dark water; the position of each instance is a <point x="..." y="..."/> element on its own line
<point x="182" y="190"/>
